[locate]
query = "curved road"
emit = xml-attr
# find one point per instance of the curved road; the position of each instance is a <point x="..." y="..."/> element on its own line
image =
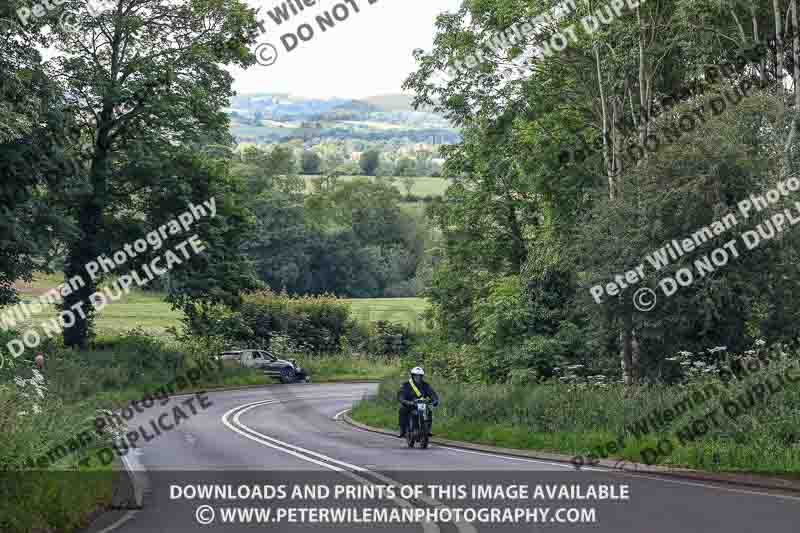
<point x="290" y="435"/>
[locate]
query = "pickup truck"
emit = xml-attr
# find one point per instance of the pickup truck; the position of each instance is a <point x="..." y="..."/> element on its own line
<point x="287" y="370"/>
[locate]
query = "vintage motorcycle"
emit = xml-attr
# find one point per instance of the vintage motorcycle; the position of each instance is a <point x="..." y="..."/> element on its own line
<point x="419" y="423"/>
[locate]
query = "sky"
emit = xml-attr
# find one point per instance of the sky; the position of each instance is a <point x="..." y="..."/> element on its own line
<point x="368" y="52"/>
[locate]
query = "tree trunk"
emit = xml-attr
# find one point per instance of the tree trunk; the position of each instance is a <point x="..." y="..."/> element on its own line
<point x="607" y="156"/>
<point x="626" y="339"/>
<point x="87" y="248"/>
<point x="779" y="59"/>
<point x="83" y="251"/>
<point x="796" y="75"/>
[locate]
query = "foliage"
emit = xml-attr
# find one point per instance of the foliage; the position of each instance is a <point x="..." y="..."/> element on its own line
<point x="517" y="207"/>
<point x="311" y="163"/>
<point x="146" y="99"/>
<point x="369" y="162"/>
<point x="314" y="323"/>
<point x="349" y="238"/>
<point x="576" y="414"/>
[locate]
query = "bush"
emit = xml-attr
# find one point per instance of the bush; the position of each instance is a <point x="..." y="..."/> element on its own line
<point x="389" y="339"/>
<point x="314" y="323"/>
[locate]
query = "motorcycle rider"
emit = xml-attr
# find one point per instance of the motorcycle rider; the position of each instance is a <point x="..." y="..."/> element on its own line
<point x="414" y="389"/>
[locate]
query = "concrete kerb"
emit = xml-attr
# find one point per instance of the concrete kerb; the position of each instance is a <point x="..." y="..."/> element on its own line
<point x="742" y="480"/>
<point x="129" y="486"/>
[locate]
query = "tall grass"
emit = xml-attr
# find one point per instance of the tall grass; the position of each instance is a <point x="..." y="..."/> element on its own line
<point x="110" y="374"/>
<point x="342" y="367"/>
<point x="578" y="420"/>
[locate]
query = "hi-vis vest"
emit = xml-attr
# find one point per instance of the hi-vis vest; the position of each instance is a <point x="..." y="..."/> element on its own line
<point x="414" y="387"/>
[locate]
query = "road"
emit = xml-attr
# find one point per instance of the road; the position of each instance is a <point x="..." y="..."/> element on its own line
<point x="290" y="435"/>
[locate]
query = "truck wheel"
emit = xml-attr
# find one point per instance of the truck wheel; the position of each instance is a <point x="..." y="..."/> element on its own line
<point x="288" y="375"/>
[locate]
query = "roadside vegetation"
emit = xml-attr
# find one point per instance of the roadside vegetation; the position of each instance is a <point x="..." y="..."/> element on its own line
<point x="118" y="367"/>
<point x="594" y="417"/>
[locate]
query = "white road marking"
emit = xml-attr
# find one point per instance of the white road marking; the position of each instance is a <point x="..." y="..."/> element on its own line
<point x="118" y="523"/>
<point x="285" y="447"/>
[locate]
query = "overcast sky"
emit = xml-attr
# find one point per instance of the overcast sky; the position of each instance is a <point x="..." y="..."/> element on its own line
<point x="366" y="54"/>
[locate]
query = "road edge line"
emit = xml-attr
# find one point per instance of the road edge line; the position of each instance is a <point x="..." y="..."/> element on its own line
<point x="602" y="465"/>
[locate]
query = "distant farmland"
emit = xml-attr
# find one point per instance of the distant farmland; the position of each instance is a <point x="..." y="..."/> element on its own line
<point x="149" y="311"/>
<point x="423" y="186"/>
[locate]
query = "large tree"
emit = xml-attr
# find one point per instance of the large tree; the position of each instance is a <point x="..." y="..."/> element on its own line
<point x="35" y="160"/>
<point x="522" y="109"/>
<point x="141" y="76"/>
<point x="369" y="162"/>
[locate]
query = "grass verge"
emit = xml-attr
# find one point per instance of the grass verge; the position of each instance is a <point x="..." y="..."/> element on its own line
<point x="63" y="495"/>
<point x="580" y="421"/>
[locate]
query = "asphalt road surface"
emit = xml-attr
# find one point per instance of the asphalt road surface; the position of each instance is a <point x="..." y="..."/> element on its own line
<point x="248" y="446"/>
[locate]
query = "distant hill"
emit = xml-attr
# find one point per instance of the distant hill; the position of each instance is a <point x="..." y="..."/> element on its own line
<point x="269" y="117"/>
<point x="393" y="102"/>
<point x="390" y="102"/>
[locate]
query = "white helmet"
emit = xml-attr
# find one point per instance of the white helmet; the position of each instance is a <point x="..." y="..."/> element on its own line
<point x="417" y="371"/>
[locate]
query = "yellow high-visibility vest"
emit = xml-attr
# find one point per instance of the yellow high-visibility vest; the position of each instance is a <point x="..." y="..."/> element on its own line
<point x="413" y="386"/>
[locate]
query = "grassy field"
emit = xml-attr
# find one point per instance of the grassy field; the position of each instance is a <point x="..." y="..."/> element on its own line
<point x="423" y="186"/>
<point x="398" y="310"/>
<point x="150" y="312"/>
<point x="144" y="310"/>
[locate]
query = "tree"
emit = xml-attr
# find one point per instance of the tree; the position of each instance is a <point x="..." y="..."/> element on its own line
<point x="406" y="167"/>
<point x="35" y="160"/>
<point x="311" y="162"/>
<point x="139" y="85"/>
<point x="370" y="161"/>
<point x="408" y="184"/>
<point x="518" y="108"/>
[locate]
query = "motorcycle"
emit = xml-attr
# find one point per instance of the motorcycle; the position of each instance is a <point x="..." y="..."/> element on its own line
<point x="419" y="424"/>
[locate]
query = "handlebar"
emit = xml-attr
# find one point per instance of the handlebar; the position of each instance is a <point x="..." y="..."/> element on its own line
<point x="412" y="403"/>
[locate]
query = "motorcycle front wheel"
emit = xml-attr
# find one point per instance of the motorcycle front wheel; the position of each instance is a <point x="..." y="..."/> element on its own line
<point x="423" y="443"/>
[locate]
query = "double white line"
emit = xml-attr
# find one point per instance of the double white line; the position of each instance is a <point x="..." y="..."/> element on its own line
<point x="358" y="473"/>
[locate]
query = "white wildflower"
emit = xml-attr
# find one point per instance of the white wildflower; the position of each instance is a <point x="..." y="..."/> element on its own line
<point x="760" y="342"/>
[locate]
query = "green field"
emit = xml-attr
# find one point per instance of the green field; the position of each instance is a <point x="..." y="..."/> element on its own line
<point x="150" y="312"/>
<point x="144" y="310"/>
<point x="398" y="310"/>
<point x="423" y="186"/>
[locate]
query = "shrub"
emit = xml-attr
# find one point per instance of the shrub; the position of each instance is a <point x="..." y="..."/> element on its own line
<point x="314" y="323"/>
<point x="389" y="339"/>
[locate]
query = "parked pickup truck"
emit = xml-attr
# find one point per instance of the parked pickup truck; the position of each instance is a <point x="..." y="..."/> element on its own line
<point x="287" y="370"/>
